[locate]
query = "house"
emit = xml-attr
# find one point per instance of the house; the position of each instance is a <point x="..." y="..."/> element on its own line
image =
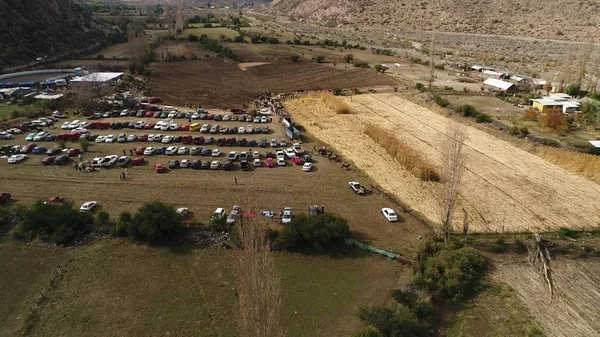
<point x="553" y="103"/>
<point x="500" y="85"/>
<point x="477" y="68"/>
<point x="495" y="74"/>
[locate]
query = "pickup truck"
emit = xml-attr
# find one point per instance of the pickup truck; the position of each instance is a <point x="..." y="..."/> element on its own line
<point x="357" y="187"/>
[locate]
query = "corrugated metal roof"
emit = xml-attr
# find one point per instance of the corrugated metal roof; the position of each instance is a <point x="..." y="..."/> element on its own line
<point x="498" y="83"/>
<point x="595" y="143"/>
<point x="97" y="77"/>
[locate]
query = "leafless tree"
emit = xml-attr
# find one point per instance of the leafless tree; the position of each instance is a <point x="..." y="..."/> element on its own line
<point x="453" y="166"/>
<point x="432" y="60"/>
<point x="539" y="257"/>
<point x="258" y="282"/>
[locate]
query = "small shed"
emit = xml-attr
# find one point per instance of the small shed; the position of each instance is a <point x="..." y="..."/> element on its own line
<point x="500" y="85"/>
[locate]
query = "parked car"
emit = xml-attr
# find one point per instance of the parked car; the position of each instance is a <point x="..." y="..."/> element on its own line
<point x="30" y="137"/>
<point x="137" y="161"/>
<point x="123" y="161"/>
<point x="357" y="187"/>
<point x="290" y="152"/>
<point x="195" y="164"/>
<point x="73" y="152"/>
<point x="185" y="163"/>
<point x="307" y="167"/>
<point x="132" y="138"/>
<point x="158" y="168"/>
<point x="148" y="151"/>
<point x="183" y="150"/>
<point x="122" y="138"/>
<point x="48" y="160"/>
<point x="389" y="214"/>
<point x="215" y="165"/>
<point x="182" y="211"/>
<point x="16" y="158"/>
<point x="205" y="128"/>
<point x="205" y="165"/>
<point x="27" y="148"/>
<point x="88" y="206"/>
<point x="206" y="152"/>
<point x="171" y="150"/>
<point x="269" y="162"/>
<point x="39" y="150"/>
<point x="274" y="142"/>
<point x="233" y="155"/>
<point x="40" y="136"/>
<point x="101" y="139"/>
<point x="61" y="160"/>
<point x="173" y="164"/>
<point x="228" y="165"/>
<point x="216" y="152"/>
<point x="256" y="162"/>
<point x="287" y="215"/>
<point x="110" y="139"/>
<point x="280" y="162"/>
<point x="224" y="129"/>
<point x="241" y="129"/>
<point x="297" y="160"/>
<point x="109" y="161"/>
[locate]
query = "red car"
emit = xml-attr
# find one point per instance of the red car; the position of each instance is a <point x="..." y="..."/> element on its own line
<point x="210" y="116"/>
<point x="137" y="161"/>
<point x="143" y="138"/>
<point x="269" y="162"/>
<point x="184" y="127"/>
<point x="158" y="168"/>
<point x="56" y="200"/>
<point x="199" y="140"/>
<point x="149" y="113"/>
<point x="4" y="197"/>
<point x="48" y="160"/>
<point x="149" y="126"/>
<point x="140" y="150"/>
<point x="187" y="140"/>
<point x="73" y="152"/>
<point x="239" y="111"/>
<point x="297" y="160"/>
<point x="155" y="100"/>
<point x="27" y="148"/>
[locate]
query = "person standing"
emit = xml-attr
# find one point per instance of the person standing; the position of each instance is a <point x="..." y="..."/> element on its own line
<point x="235" y="180"/>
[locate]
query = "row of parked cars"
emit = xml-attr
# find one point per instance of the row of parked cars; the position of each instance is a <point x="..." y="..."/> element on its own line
<point x="82" y="127"/>
<point x="201" y="114"/>
<point x="227" y="165"/>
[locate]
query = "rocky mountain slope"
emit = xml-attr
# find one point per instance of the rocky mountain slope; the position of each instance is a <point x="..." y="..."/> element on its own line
<point x="550" y="19"/>
<point x="33" y="28"/>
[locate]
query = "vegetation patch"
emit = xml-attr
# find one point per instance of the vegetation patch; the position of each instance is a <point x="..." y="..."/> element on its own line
<point x="408" y="157"/>
<point x="320" y="232"/>
<point x="584" y="164"/>
<point x="338" y="105"/>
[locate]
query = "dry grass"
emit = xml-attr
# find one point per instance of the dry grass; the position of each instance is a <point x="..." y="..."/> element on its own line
<point x="584" y="164"/>
<point x="575" y="313"/>
<point x="503" y="189"/>
<point x="408" y="157"/>
<point x="339" y="106"/>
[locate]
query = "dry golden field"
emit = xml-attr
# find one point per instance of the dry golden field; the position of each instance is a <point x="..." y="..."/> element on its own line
<point x="504" y="188"/>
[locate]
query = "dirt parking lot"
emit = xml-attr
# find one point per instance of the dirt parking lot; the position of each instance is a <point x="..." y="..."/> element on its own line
<point x="204" y="190"/>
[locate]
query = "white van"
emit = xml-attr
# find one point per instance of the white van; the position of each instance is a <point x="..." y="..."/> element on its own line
<point x="218" y="214"/>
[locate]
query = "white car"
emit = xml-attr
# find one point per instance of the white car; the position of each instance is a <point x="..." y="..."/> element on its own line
<point x="174" y="127"/>
<point x="172" y="114"/>
<point x="74" y="124"/>
<point x="110" y="139"/>
<point x="165" y="126"/>
<point x="79" y="130"/>
<point x="297" y="149"/>
<point x="6" y="135"/>
<point x="219" y="213"/>
<point x="149" y="151"/>
<point x="274" y="142"/>
<point x="256" y="119"/>
<point x="40" y="136"/>
<point x="282" y="142"/>
<point x="256" y="162"/>
<point x="205" y="128"/>
<point x="249" y="129"/>
<point x="256" y="155"/>
<point x="171" y="150"/>
<point x="15" y="131"/>
<point x="16" y="158"/>
<point x="88" y="206"/>
<point x="280" y="154"/>
<point x="233" y="156"/>
<point x="140" y="124"/>
<point x="182" y="211"/>
<point x="216" y="152"/>
<point x="280" y="162"/>
<point x="182" y="150"/>
<point x="132" y="138"/>
<point x="226" y="118"/>
<point x="167" y="139"/>
<point x="195" y="150"/>
<point x="124" y="113"/>
<point x="65" y="125"/>
<point x="287" y="215"/>
<point x="110" y="160"/>
<point x="84" y="125"/>
<point x="307" y="167"/>
<point x="100" y="139"/>
<point x="158" y="125"/>
<point x="215" y="165"/>
<point x="290" y="152"/>
<point x="97" y="162"/>
<point x="241" y="129"/>
<point x="263" y="119"/>
<point x="185" y="163"/>
<point x="159" y="137"/>
<point x="195" y="115"/>
<point x="389" y="214"/>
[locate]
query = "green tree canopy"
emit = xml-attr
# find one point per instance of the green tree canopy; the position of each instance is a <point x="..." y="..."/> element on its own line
<point x="155" y="222"/>
<point x="318" y="232"/>
<point x="59" y="223"/>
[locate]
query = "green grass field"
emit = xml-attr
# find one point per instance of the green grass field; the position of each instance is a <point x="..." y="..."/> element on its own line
<point x="136" y="290"/>
<point x="213" y="33"/>
<point x="7" y="109"/>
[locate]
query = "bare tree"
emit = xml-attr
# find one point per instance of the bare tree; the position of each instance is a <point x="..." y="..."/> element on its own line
<point x="539" y="257"/>
<point x="432" y="60"/>
<point x="453" y="166"/>
<point x="258" y="283"/>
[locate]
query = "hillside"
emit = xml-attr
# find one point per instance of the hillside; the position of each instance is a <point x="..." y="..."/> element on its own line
<point x="30" y="29"/>
<point x="576" y="20"/>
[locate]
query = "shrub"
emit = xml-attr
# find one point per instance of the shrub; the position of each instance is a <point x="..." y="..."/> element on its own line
<point x="448" y="88"/>
<point x="368" y="331"/>
<point x="521" y="132"/>
<point x="295" y="58"/>
<point x="361" y="65"/>
<point x="449" y="273"/>
<point x="440" y="101"/>
<point x="319" y="59"/>
<point x="120" y="229"/>
<point x="499" y="246"/>
<point x="320" y="232"/>
<point x="348" y="58"/>
<point x="483" y="118"/>
<point x="467" y="110"/>
<point x="408" y="157"/>
<point x="219" y="225"/>
<point x="420" y="87"/>
<point x="520" y="246"/>
<point x="391" y="322"/>
<point x="155" y="222"/>
<point x="380" y="68"/>
<point x="102" y="218"/>
<point x="337" y="91"/>
<point x="193" y="38"/>
<point x="59" y="223"/>
<point x="208" y="25"/>
<point x="573" y="89"/>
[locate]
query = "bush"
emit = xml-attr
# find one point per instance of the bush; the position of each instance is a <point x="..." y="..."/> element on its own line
<point x="102" y="218"/>
<point x="320" y="232"/>
<point x="59" y="223"/>
<point x="440" y="101"/>
<point x="573" y="89"/>
<point x="392" y="322"/>
<point x="483" y="118"/>
<point x="467" y="110"/>
<point x="368" y="331"/>
<point x="319" y="59"/>
<point x="380" y="68"/>
<point x="499" y="246"/>
<point x="193" y="38"/>
<point x="520" y="246"/>
<point x="449" y="273"/>
<point x="219" y="225"/>
<point x="361" y="65"/>
<point x="521" y="132"/>
<point x="208" y="25"/>
<point x="420" y="87"/>
<point x="337" y="91"/>
<point x="155" y="222"/>
<point x="348" y="58"/>
<point x="295" y="58"/>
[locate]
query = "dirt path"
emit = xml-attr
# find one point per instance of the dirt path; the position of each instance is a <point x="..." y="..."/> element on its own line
<point x="504" y="189"/>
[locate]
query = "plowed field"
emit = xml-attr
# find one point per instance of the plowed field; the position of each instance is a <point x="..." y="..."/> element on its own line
<point x="504" y="188"/>
<point x="218" y="84"/>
